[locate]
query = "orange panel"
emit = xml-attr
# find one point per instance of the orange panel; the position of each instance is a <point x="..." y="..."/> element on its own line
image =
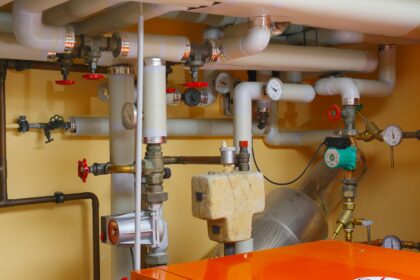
<point x="317" y="260"/>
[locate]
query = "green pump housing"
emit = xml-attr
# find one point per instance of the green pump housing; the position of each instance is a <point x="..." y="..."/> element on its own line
<point x="341" y="158"/>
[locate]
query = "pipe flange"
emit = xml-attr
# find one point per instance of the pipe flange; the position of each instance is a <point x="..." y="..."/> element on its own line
<point x="154" y="140"/>
<point x="123" y="48"/>
<point x="153" y="61"/>
<point x="69" y="41"/>
<point x="121" y="70"/>
<point x="187" y="53"/>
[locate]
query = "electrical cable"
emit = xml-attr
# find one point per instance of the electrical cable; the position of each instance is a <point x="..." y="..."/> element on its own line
<point x="313" y="158"/>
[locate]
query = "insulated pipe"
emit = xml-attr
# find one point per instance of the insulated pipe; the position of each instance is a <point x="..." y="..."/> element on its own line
<point x="121" y="88"/>
<point x="254" y="41"/>
<point x="275" y="137"/>
<point x="245" y="92"/>
<point x="303" y="58"/>
<point x="111" y="19"/>
<point x="154" y="109"/>
<point x="98" y="126"/>
<point x="397" y="18"/>
<point x="341" y="37"/>
<point x="32" y="33"/>
<point x="351" y="89"/>
<point x="11" y="49"/>
<point x="6" y="22"/>
<point x="168" y="48"/>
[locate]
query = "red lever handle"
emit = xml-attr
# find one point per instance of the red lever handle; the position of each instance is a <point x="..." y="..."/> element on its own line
<point x="65" y="82"/>
<point x="196" y="84"/>
<point x="82" y="169"/>
<point x="93" y="76"/>
<point x="334" y="112"/>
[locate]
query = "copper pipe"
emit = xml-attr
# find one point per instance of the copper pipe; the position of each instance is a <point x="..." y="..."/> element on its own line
<point x="3" y="155"/>
<point x="61" y="198"/>
<point x="192" y="160"/>
<point x="120" y="169"/>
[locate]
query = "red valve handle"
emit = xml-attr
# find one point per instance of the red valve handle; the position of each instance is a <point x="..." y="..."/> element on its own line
<point x="93" y="76"/>
<point x="82" y="169"/>
<point x="334" y="112"/>
<point x="65" y="82"/>
<point x="170" y="90"/>
<point x="196" y="84"/>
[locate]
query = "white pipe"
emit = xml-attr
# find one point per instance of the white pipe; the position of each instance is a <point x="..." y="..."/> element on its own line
<point x="302" y="58"/>
<point x="112" y="20"/>
<point x="139" y="144"/>
<point x="121" y="87"/>
<point x="177" y="128"/>
<point x="245" y="92"/>
<point x="11" y="49"/>
<point x="32" y="33"/>
<point x="154" y="108"/>
<point x="168" y="48"/>
<point x="340" y="37"/>
<point x="254" y="41"/>
<point x="397" y="18"/>
<point x="350" y="88"/>
<point x="276" y="137"/>
<point x="6" y="22"/>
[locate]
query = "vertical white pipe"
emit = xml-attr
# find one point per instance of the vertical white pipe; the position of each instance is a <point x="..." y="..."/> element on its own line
<point x="154" y="129"/>
<point x="139" y="143"/>
<point x="121" y="87"/>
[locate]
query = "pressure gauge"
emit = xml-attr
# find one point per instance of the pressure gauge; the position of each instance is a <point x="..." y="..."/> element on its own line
<point x="392" y="242"/>
<point x="392" y="135"/>
<point x="129" y="115"/>
<point x="274" y="89"/>
<point x="223" y="83"/>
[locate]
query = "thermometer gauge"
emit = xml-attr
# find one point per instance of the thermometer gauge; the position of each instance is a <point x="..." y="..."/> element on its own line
<point x="392" y="135"/>
<point x="129" y="115"/>
<point x="223" y="83"/>
<point x="274" y="89"/>
<point x="392" y="242"/>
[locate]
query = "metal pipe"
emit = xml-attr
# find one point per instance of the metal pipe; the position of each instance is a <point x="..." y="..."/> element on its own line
<point x="138" y="143"/>
<point x="60" y="198"/>
<point x="3" y="155"/>
<point x="191" y="160"/>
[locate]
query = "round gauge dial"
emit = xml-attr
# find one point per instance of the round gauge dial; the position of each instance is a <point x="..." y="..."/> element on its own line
<point x="223" y="83"/>
<point x="392" y="242"/>
<point x="129" y="115"/>
<point x="392" y="135"/>
<point x="274" y="89"/>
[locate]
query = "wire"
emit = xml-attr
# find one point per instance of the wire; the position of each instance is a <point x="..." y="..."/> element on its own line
<point x="314" y="156"/>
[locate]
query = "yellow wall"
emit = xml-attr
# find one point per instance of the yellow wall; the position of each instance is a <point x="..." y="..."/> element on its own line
<point x="48" y="242"/>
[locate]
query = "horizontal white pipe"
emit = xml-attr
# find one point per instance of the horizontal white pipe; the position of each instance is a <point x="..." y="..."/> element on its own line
<point x="168" y="48"/>
<point x="5" y="23"/>
<point x="350" y="88"/>
<point x="341" y="37"/>
<point x="32" y="33"/>
<point x="11" y="49"/>
<point x="276" y="137"/>
<point x="303" y="58"/>
<point x="397" y="18"/>
<point x="98" y="126"/>
<point x="254" y="41"/>
<point x="112" y="20"/>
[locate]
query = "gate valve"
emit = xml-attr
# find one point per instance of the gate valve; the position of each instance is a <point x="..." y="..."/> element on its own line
<point x="82" y="169"/>
<point x="196" y="84"/>
<point x="334" y="112"/>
